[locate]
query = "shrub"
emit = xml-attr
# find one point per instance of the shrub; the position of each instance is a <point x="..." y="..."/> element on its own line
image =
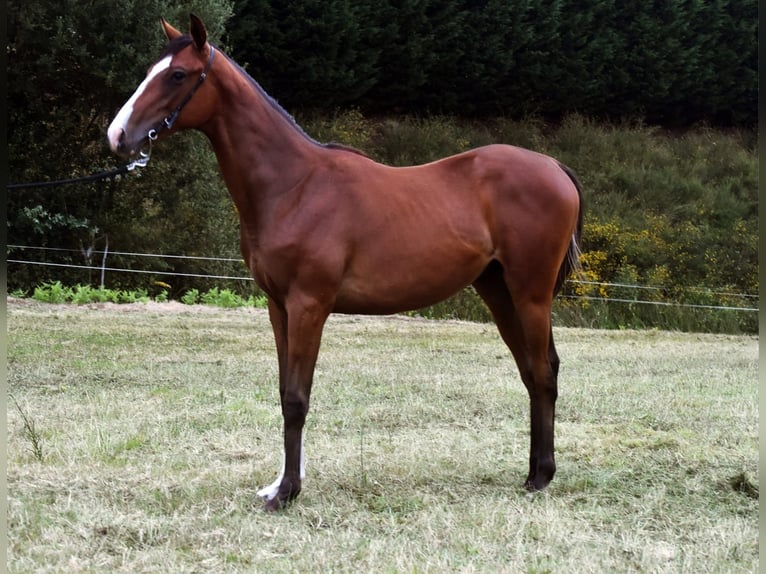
<point x="222" y="298"/>
<point x="52" y="293"/>
<point x="191" y="297"/>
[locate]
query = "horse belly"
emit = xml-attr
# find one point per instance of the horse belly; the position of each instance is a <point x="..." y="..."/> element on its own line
<point x="409" y="278"/>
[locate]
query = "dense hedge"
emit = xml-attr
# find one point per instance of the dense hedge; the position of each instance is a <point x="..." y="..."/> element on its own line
<point x="673" y="62"/>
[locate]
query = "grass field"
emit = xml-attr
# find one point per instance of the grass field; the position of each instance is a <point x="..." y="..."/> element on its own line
<point x="138" y="434"/>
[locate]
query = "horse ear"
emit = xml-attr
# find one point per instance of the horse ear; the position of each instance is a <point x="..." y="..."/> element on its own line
<point x="198" y="32"/>
<point x="170" y="32"/>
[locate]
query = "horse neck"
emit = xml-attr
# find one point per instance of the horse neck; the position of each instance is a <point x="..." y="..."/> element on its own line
<point x="260" y="150"/>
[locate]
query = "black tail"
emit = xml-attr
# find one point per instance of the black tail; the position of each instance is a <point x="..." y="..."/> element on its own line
<point x="572" y="260"/>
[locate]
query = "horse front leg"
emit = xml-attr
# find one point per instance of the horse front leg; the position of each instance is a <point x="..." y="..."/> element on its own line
<point x="298" y="331"/>
<point x="278" y="318"/>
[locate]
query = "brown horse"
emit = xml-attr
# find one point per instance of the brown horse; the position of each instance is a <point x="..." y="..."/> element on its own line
<point x="325" y="229"/>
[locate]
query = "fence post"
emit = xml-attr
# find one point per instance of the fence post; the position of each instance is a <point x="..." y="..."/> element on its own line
<point x="103" y="260"/>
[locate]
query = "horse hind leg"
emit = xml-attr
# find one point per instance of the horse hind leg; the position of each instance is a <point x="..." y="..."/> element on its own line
<point x="553" y="356"/>
<point x="526" y="330"/>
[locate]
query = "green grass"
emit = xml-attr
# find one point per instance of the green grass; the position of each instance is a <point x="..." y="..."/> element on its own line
<point x="157" y="423"/>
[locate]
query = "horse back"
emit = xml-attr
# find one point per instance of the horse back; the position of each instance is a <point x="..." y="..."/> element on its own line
<point x="430" y="230"/>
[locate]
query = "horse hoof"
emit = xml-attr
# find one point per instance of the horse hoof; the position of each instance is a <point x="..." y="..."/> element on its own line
<point x="538" y="480"/>
<point x="277" y="502"/>
<point x="533" y="486"/>
<point x="273" y="505"/>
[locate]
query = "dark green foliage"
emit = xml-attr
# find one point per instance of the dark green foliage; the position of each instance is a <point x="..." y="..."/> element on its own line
<point x="677" y="62"/>
<point x="672" y="63"/>
<point x="322" y="50"/>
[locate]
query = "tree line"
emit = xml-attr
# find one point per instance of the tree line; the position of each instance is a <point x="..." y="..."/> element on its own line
<point x="669" y="62"/>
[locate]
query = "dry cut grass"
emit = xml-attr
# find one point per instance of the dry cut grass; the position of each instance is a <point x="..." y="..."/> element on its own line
<point x="137" y="436"/>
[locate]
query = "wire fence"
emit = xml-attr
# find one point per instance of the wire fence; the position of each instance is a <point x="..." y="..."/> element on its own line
<point x="103" y="267"/>
<point x="744" y="297"/>
<point x="118" y="269"/>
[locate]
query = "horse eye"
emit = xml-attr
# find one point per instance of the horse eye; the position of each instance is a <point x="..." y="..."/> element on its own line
<point x="178" y="76"/>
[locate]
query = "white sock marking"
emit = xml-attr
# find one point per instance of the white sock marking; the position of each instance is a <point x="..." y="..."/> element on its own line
<point x="120" y="122"/>
<point x="270" y="491"/>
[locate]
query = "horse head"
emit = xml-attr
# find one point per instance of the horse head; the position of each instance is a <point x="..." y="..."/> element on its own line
<point x="174" y="84"/>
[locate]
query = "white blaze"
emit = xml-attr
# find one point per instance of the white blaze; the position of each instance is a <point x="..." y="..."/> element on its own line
<point x="120" y="123"/>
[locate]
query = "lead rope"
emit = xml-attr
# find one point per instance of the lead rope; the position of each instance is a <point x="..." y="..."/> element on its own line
<point x="143" y="155"/>
<point x="141" y="161"/>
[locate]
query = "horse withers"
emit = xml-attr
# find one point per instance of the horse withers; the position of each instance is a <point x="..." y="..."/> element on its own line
<point x="325" y="229"/>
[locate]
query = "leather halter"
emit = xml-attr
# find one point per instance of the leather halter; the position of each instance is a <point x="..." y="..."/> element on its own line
<point x="168" y="121"/>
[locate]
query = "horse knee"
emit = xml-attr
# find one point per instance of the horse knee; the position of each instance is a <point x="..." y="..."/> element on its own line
<point x="295" y="407"/>
<point x="543" y="384"/>
<point x="552" y="390"/>
<point x="548" y="385"/>
<point x="545" y="392"/>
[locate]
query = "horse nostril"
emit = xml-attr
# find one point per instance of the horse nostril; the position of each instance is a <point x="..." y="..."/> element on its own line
<point x="121" y="140"/>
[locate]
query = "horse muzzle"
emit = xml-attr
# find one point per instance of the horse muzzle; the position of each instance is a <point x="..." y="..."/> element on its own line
<point x="127" y="147"/>
<point x="117" y="141"/>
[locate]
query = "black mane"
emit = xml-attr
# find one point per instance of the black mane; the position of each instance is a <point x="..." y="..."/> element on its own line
<point x="181" y="42"/>
<point x="290" y="119"/>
